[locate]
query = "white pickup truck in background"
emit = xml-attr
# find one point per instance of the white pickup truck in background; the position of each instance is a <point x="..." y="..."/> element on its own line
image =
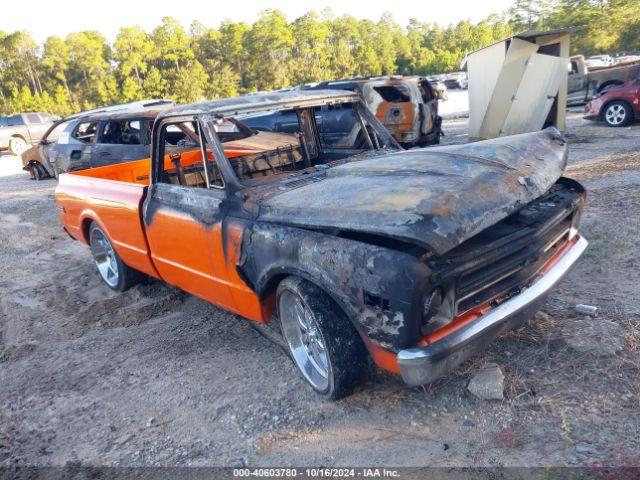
<point x="586" y="83"/>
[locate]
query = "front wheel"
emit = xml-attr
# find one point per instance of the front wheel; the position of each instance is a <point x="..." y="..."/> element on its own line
<point x="323" y="343"/>
<point x="112" y="269"/>
<point x="617" y="114"/>
<point x="38" y="172"/>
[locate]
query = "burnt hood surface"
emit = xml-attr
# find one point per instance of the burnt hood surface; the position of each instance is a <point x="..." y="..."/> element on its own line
<point x="435" y="197"/>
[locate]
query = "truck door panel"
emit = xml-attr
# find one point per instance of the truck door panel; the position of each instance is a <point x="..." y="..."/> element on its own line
<point x="184" y="226"/>
<point x="183" y="218"/>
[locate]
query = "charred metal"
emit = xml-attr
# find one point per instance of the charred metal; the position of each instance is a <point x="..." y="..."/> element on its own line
<point x="435" y="198"/>
<point x="352" y="272"/>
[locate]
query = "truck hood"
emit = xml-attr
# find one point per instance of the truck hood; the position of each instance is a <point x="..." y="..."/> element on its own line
<point x="435" y="197"/>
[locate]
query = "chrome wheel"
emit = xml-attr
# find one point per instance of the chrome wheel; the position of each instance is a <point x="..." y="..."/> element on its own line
<point x="105" y="257"/>
<point x="616" y="114"/>
<point x="304" y="338"/>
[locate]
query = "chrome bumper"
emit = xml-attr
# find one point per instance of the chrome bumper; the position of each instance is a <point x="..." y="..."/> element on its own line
<point x="424" y="364"/>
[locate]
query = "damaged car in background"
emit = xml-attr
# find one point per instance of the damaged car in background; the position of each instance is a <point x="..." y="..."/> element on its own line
<point x="407" y="106"/>
<point x="89" y="141"/>
<point x="70" y="143"/>
<point x="105" y="138"/>
<point x="356" y="248"/>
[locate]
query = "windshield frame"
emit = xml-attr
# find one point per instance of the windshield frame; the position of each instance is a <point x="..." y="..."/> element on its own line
<point x="208" y="121"/>
<point x="234" y="183"/>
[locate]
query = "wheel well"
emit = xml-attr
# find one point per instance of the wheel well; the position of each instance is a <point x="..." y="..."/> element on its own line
<point x="268" y="292"/>
<point x="608" y="84"/>
<point x="86" y="225"/>
<point x="268" y="295"/>
<point x="615" y="100"/>
<point x="271" y="286"/>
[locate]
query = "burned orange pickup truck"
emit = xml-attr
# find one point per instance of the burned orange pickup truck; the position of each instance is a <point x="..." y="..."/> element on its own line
<point x="416" y="259"/>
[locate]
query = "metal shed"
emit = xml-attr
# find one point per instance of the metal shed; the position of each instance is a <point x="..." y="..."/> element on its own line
<point x="519" y="84"/>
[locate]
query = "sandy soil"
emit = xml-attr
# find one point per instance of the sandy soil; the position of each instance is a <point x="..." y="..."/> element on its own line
<point x="10" y="165"/>
<point x="156" y="377"/>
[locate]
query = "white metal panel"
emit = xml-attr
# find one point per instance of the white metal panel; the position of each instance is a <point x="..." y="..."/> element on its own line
<point x="513" y="68"/>
<point x="483" y="69"/>
<point x="535" y="95"/>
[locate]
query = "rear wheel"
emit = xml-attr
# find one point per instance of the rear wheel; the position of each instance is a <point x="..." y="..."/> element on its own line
<point x="17" y="145"/>
<point x="322" y="341"/>
<point x="617" y="114"/>
<point x="112" y="269"/>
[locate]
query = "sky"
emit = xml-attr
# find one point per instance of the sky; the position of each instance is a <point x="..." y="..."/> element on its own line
<point x="42" y="18"/>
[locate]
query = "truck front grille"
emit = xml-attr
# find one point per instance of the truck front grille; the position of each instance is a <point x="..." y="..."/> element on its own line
<point x="511" y="271"/>
<point x="505" y="257"/>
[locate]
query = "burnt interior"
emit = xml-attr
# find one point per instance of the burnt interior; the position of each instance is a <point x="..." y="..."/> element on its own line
<point x="318" y="137"/>
<point x="502" y="259"/>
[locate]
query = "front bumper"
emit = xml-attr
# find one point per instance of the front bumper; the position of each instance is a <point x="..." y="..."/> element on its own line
<point x="424" y="364"/>
<point x="592" y="110"/>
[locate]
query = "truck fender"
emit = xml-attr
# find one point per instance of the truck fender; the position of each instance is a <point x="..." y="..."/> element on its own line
<point x="381" y="302"/>
<point x="87" y="217"/>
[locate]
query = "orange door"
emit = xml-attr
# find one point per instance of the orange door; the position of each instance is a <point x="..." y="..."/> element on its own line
<point x="184" y="231"/>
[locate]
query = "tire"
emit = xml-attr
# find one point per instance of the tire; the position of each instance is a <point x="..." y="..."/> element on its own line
<point x="38" y="172"/>
<point x="320" y="338"/>
<point x="617" y="114"/>
<point x="17" y="146"/>
<point x="111" y="268"/>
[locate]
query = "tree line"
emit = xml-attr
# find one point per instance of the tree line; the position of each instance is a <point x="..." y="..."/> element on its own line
<point x="85" y="70"/>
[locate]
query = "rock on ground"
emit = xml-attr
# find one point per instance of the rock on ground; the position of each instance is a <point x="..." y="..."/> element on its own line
<point x="599" y="337"/>
<point x="488" y="382"/>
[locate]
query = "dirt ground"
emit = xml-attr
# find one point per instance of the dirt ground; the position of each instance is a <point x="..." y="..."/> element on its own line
<point x="157" y="377"/>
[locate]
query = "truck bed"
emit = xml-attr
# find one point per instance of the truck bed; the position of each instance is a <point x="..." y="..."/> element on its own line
<point x="137" y="171"/>
<point x="622" y="72"/>
<point x="112" y="196"/>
